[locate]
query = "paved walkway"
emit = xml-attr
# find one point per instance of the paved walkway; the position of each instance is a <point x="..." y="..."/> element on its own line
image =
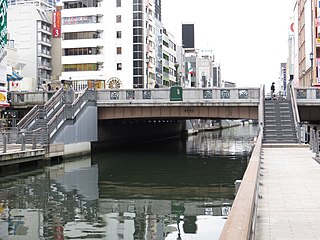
<point x="290" y="191"/>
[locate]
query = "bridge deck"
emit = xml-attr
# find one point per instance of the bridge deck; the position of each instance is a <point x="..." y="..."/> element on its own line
<point x="290" y="206"/>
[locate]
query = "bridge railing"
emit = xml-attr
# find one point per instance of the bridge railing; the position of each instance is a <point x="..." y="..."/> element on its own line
<point x="189" y="94"/>
<point x="304" y="94"/>
<point x="30" y="98"/>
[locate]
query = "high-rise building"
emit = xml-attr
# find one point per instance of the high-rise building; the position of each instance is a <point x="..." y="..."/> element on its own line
<point x="29" y="26"/>
<point x="112" y="43"/>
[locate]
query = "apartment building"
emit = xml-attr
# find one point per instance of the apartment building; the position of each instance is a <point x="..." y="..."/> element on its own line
<point x="29" y="26"/>
<point x="111" y="43"/>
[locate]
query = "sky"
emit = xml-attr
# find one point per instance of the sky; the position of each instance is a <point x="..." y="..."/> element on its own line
<point x="249" y="38"/>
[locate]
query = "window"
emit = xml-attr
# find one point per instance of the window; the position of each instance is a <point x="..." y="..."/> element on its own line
<point x="118" y="18"/>
<point x="119" y="33"/>
<point x="119" y="66"/>
<point x="118" y="3"/>
<point x="119" y="50"/>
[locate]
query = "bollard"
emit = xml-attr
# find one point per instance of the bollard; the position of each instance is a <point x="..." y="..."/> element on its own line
<point x="23" y="144"/>
<point x="4" y="142"/>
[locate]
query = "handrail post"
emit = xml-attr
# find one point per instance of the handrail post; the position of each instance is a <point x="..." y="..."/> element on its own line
<point x="317" y="143"/>
<point x="23" y="144"/>
<point x="4" y="142"/>
<point x="33" y="141"/>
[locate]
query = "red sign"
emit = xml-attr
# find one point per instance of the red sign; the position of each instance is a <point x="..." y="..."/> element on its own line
<point x="56" y="24"/>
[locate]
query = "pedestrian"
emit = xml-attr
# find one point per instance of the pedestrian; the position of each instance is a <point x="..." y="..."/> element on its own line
<point x="156" y="86"/>
<point x="273" y="89"/>
<point x="49" y="87"/>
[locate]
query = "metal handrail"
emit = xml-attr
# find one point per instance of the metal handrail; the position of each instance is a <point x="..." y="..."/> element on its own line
<point x="41" y="111"/>
<point x="28" y="118"/>
<point x="295" y="111"/>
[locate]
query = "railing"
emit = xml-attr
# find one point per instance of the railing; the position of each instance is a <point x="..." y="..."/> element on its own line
<point x="189" y="95"/>
<point x="241" y="221"/>
<point x="295" y="111"/>
<point x="305" y="94"/>
<point x="18" y="139"/>
<point x="70" y="111"/>
<point x="39" y="111"/>
<point x="314" y="141"/>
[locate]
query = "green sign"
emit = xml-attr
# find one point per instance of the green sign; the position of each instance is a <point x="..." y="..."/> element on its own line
<point x="3" y="27"/>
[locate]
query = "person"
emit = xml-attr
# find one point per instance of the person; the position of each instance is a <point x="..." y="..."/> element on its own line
<point x="273" y="89"/>
<point x="49" y="87"/>
<point x="156" y="86"/>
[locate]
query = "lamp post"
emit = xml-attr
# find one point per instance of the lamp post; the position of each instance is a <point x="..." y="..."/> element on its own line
<point x="311" y="59"/>
<point x="176" y="65"/>
<point x="147" y="73"/>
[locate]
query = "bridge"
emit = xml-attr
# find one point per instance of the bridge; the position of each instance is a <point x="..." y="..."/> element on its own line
<point x="61" y="114"/>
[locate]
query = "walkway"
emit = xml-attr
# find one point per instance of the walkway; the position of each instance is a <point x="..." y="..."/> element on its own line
<point x="289" y="207"/>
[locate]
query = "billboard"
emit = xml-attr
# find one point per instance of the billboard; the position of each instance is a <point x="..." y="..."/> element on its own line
<point x="56" y="24"/>
<point x="188" y="35"/>
<point x="3" y="28"/>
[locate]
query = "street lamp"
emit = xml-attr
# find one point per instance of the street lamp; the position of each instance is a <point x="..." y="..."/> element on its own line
<point x="311" y="59"/>
<point x="147" y="73"/>
<point x="176" y="65"/>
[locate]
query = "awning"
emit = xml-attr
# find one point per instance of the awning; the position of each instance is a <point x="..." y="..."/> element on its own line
<point x="14" y="76"/>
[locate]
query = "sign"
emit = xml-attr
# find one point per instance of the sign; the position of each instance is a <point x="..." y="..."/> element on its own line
<point x="3" y="28"/>
<point x="56" y="24"/>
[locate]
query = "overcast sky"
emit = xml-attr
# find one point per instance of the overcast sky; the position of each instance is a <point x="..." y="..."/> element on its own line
<point x="249" y="37"/>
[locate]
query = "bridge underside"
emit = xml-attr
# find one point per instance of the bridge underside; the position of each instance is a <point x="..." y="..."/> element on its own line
<point x="179" y="112"/>
<point x="309" y="114"/>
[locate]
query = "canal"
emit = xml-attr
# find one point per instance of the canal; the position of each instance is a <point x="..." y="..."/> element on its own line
<point x="174" y="189"/>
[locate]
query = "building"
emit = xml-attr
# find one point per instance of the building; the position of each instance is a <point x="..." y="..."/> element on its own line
<point x="169" y="52"/>
<point x="114" y="44"/>
<point x="3" y="55"/>
<point x="305" y="42"/>
<point x="29" y="25"/>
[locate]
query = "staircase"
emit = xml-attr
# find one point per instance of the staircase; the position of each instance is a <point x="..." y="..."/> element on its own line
<point x="279" y="124"/>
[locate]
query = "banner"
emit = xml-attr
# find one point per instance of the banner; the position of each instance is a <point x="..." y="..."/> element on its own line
<point x="56" y="24"/>
<point x="3" y="28"/>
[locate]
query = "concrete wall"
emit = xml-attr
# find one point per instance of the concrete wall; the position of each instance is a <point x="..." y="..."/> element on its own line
<point x="82" y="129"/>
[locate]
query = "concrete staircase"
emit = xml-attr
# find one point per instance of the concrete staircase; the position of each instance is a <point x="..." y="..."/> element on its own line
<point x="279" y="124"/>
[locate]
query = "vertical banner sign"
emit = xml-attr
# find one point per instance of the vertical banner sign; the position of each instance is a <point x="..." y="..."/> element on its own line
<point x="284" y="77"/>
<point x="3" y="28"/>
<point x="56" y="26"/>
<point x="318" y="67"/>
<point x="318" y="23"/>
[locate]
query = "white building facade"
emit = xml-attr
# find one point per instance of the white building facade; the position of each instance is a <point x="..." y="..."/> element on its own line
<point x="112" y="43"/>
<point x="29" y="26"/>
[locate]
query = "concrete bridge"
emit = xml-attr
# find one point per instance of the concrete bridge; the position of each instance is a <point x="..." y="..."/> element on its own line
<point x="225" y="103"/>
<point x="233" y="103"/>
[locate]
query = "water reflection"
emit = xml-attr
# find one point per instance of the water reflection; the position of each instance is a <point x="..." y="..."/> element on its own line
<point x="172" y="190"/>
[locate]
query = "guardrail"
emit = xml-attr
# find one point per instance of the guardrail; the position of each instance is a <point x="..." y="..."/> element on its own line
<point x="241" y="221"/>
